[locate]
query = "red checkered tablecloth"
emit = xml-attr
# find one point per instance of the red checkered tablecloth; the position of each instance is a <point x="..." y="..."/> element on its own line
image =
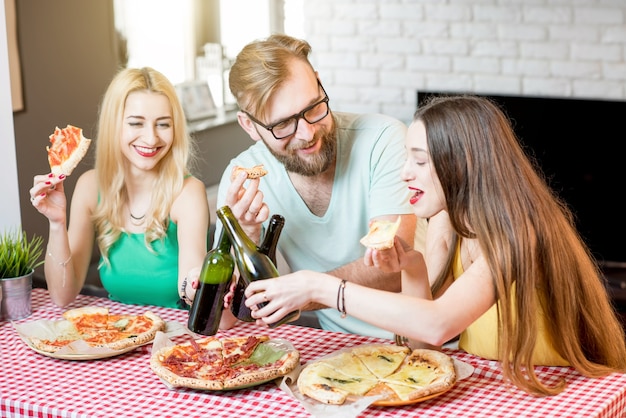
<point x="33" y="385"/>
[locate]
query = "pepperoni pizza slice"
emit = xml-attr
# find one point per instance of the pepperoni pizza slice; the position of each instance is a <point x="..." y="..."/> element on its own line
<point x="67" y="148"/>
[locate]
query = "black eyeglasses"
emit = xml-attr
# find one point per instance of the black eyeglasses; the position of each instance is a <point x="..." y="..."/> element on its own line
<point x="288" y="126"/>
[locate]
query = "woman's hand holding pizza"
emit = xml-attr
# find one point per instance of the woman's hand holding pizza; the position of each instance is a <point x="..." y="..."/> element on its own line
<point x="397" y="258"/>
<point x="48" y="196"/>
<point x="68" y="146"/>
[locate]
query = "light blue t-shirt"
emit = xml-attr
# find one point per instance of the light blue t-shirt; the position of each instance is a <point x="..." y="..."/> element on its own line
<point x="370" y="156"/>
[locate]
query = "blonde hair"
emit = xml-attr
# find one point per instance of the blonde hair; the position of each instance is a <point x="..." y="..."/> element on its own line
<point x="109" y="216"/>
<point x="495" y="194"/>
<point x="261" y="67"/>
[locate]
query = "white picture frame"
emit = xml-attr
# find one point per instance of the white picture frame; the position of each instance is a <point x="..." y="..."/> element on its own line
<point x="197" y="100"/>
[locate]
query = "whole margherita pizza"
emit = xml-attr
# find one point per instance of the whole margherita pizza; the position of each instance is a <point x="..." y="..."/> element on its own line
<point x="67" y="148"/>
<point x="223" y="363"/>
<point x="99" y="328"/>
<point x="396" y="372"/>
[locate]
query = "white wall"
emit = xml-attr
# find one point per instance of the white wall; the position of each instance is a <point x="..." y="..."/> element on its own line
<point x="373" y="55"/>
<point x="9" y="195"/>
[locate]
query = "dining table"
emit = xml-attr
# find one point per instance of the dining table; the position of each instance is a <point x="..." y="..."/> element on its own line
<point x="36" y="385"/>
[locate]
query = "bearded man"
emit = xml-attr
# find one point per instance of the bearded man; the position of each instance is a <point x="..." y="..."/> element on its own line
<point x="329" y="173"/>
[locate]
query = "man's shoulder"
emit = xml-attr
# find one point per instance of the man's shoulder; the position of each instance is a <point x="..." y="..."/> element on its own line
<point x="370" y="130"/>
<point x="347" y="120"/>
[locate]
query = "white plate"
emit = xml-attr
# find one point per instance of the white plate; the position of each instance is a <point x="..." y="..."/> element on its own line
<point x="79" y="356"/>
<point x="172" y="328"/>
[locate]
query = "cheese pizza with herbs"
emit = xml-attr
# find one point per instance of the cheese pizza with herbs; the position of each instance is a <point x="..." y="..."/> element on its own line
<point x="100" y="328"/>
<point x="223" y="363"/>
<point x="396" y="372"/>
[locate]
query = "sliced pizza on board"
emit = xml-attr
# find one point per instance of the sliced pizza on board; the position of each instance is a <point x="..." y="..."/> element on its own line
<point x="400" y="375"/>
<point x="67" y="148"/>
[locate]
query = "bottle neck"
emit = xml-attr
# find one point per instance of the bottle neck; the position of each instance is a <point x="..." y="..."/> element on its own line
<point x="224" y="243"/>
<point x="270" y="241"/>
<point x="233" y="230"/>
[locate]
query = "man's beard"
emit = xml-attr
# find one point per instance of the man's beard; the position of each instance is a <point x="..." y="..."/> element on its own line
<point x="315" y="164"/>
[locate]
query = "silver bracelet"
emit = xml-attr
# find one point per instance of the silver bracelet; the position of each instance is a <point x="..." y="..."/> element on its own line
<point x="401" y="340"/>
<point x="183" y="292"/>
<point x="62" y="264"/>
<point x="341" y="299"/>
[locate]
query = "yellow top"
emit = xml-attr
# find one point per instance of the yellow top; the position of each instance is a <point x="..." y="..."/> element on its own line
<point x="481" y="337"/>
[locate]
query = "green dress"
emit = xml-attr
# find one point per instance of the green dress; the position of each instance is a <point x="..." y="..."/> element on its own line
<point x="137" y="276"/>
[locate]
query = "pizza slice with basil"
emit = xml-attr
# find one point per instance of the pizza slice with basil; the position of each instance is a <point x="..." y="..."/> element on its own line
<point x="238" y="349"/>
<point x="67" y="148"/>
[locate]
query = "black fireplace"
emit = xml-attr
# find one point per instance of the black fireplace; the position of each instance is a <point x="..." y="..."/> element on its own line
<point x="581" y="146"/>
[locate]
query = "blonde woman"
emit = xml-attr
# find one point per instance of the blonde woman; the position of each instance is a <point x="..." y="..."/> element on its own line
<point x="147" y="214"/>
<point x="504" y="266"/>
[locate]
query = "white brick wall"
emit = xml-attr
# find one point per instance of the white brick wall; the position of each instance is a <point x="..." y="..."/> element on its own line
<point x="372" y="55"/>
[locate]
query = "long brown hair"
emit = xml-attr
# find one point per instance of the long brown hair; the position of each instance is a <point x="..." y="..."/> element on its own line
<point x="495" y="193"/>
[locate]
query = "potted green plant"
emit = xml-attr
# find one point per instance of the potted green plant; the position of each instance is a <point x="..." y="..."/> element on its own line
<point x="19" y="256"/>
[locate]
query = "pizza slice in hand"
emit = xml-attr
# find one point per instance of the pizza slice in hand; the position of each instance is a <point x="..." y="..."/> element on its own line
<point x="381" y="234"/>
<point x="67" y="148"/>
<point x="255" y="172"/>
